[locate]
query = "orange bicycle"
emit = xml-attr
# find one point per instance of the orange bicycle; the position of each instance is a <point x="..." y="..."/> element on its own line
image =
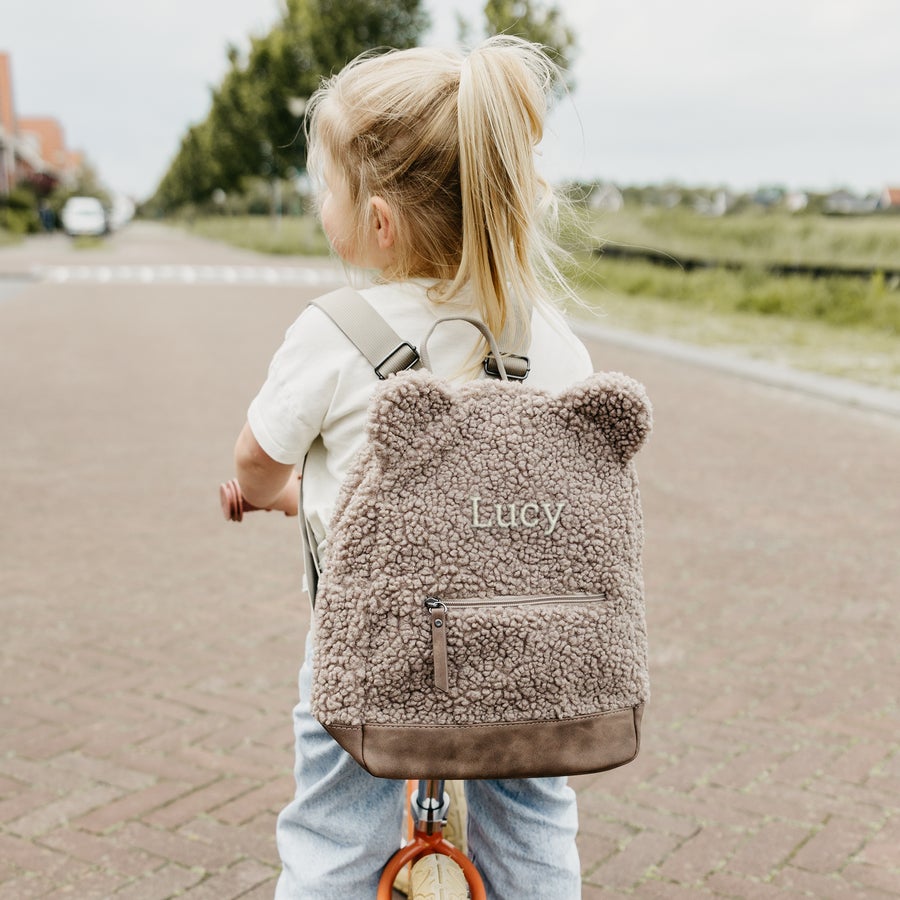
<point x="428" y="866"/>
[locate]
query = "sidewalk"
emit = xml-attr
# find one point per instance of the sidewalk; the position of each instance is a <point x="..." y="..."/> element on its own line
<point x="150" y="649"/>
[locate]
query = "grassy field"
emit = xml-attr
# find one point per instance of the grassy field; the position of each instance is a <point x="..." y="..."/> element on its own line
<point x="289" y="235"/>
<point x="840" y="301"/>
<point x="848" y="327"/>
<point x="861" y="354"/>
<point x="756" y="235"/>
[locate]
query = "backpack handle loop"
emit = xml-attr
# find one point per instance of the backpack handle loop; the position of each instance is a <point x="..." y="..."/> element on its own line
<point x="486" y="332"/>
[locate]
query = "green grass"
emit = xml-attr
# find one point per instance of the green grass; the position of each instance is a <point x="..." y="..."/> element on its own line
<point x="840" y="326"/>
<point x="863" y="355"/>
<point x="87" y="242"/>
<point x="841" y="302"/>
<point x="757" y="235"/>
<point x="289" y="235"/>
<point x="843" y="327"/>
<point x="7" y="238"/>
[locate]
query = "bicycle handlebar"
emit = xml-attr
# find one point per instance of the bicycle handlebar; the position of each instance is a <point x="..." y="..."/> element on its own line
<point x="233" y="503"/>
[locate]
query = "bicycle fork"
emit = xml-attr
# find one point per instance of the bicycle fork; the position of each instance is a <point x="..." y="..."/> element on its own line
<point x="429" y="806"/>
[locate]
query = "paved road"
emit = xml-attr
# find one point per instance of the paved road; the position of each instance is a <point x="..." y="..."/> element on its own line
<point x="149" y="649"/>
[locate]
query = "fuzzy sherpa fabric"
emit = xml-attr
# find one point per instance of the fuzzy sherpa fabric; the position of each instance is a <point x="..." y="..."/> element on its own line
<point x="491" y="497"/>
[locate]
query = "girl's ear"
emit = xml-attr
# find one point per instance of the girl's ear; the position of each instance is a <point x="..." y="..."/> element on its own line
<point x="383" y="223"/>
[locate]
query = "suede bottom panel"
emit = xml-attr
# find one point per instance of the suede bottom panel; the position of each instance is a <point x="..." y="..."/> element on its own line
<point x="527" y="750"/>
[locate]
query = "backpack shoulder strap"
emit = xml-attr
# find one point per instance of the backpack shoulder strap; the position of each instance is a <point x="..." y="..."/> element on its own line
<point x="387" y="352"/>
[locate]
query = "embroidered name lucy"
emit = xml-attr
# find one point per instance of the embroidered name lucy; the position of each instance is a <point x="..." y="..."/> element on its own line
<point x="525" y="515"/>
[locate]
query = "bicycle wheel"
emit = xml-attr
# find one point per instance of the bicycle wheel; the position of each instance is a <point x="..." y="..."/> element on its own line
<point x="437" y="877"/>
<point x="455" y="829"/>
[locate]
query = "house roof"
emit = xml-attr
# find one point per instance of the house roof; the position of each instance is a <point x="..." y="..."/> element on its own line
<point x="892" y="196"/>
<point x="47" y="134"/>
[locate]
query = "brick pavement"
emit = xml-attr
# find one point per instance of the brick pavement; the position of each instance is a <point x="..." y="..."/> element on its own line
<point x="771" y="763"/>
<point x="149" y="654"/>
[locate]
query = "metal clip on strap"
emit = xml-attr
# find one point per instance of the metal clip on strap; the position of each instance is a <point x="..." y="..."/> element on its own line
<point x="385" y="350"/>
<point x="398" y="360"/>
<point x="517" y="367"/>
<point x="389" y="354"/>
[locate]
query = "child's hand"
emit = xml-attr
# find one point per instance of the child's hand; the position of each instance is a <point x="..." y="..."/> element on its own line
<point x="234" y="505"/>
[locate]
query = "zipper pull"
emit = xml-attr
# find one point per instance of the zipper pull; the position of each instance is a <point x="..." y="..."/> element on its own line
<point x="438" y="612"/>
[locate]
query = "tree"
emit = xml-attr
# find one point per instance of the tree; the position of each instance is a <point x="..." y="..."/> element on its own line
<point x="531" y="20"/>
<point x="192" y="176"/>
<point x="254" y="126"/>
<point x="342" y="29"/>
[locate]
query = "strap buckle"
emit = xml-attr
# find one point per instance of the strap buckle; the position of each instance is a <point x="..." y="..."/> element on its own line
<point x="517" y="367"/>
<point x="401" y="358"/>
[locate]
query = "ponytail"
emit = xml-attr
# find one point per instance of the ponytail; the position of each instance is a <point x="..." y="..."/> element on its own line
<point x="503" y="90"/>
<point x="449" y="142"/>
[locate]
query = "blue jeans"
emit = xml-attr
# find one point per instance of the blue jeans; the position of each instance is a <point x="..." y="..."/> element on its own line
<point x="344" y="824"/>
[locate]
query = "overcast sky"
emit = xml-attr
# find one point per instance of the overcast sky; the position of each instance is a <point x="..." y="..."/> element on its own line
<point x="804" y="93"/>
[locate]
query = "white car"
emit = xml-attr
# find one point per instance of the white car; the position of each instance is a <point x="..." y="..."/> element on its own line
<point x="84" y="215"/>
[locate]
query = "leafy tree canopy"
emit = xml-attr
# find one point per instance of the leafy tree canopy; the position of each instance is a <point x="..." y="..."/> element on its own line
<point x="254" y="127"/>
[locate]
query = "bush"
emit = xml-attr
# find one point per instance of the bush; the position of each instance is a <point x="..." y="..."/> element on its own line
<point x="18" y="212"/>
<point x="7" y="237"/>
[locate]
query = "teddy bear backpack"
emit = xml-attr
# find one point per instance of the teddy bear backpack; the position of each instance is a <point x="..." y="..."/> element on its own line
<point x="480" y="610"/>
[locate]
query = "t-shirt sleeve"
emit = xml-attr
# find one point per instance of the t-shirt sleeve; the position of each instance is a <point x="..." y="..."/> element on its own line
<point x="287" y="414"/>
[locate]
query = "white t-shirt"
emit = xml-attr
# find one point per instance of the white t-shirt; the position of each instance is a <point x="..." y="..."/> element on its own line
<point x="314" y="401"/>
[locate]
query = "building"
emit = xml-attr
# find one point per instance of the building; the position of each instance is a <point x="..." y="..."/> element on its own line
<point x="45" y="136"/>
<point x="890" y="198"/>
<point x="7" y="126"/>
<point x="846" y="203"/>
<point x="32" y="148"/>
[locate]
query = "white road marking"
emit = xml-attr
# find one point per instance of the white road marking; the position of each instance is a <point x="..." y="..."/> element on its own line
<point x="181" y="274"/>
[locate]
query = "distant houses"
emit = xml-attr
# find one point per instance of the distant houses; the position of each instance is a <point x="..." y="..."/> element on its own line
<point x="604" y="196"/>
<point x="32" y="149"/>
<point x="846" y="203"/>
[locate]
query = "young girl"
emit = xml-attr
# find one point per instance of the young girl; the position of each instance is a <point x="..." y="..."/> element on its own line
<point x="427" y="164"/>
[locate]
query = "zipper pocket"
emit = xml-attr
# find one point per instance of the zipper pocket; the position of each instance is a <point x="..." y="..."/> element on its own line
<point x="439" y="614"/>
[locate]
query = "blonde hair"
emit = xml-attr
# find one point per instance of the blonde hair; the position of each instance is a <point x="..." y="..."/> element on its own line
<point x="448" y="141"/>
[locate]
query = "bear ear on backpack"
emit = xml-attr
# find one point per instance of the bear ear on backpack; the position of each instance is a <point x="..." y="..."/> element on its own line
<point x="618" y="405"/>
<point x="407" y="416"/>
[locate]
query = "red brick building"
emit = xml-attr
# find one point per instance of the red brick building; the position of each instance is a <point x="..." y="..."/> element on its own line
<point x="32" y="148"/>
